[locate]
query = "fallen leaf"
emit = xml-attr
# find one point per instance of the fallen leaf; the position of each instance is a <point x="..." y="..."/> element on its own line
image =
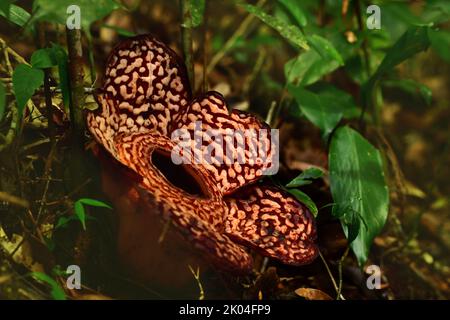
<point x="312" y="294"/>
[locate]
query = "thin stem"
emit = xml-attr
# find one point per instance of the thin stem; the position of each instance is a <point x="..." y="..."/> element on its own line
<point x="187" y="43"/>
<point x="91" y="59"/>
<point x="205" y="48"/>
<point x="331" y="275"/>
<point x="8" y="139"/>
<point x="340" y="272"/>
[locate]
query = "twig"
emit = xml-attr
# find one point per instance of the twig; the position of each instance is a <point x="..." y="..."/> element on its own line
<point x="331" y="275"/>
<point x="10" y="51"/>
<point x="340" y="272"/>
<point x="9" y="138"/>
<point x="196" y="275"/>
<point x="47" y="177"/>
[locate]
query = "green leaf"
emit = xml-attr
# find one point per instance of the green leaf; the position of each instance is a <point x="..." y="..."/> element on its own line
<point x="289" y="32"/>
<point x="340" y="99"/>
<point x="16" y="15"/>
<point x="25" y="81"/>
<point x="94" y="203"/>
<point x="324" y="48"/>
<point x="308" y="67"/>
<point x="56" y="291"/>
<point x="293" y="7"/>
<point x="440" y="42"/>
<point x="305" y="199"/>
<point x="305" y="177"/>
<point x="411" y="86"/>
<point x="319" y="110"/>
<point x="2" y="100"/>
<point x="80" y="213"/>
<point x="63" y="221"/>
<point x="43" y="58"/>
<point x="194" y="12"/>
<point x="358" y="187"/>
<point x="56" y="11"/>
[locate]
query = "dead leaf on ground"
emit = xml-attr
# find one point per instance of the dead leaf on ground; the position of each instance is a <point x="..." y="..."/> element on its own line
<point x="312" y="294"/>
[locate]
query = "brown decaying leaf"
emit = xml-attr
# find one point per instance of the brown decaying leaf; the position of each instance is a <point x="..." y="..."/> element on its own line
<point x="312" y="294"/>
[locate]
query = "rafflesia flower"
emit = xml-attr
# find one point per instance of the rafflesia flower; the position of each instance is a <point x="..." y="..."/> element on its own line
<point x="147" y="121"/>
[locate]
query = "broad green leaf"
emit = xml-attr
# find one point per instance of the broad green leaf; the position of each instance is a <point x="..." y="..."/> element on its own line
<point x="56" y="291"/>
<point x="308" y="67"/>
<point x="440" y="42"/>
<point x="25" y="81"/>
<point x="340" y="99"/>
<point x="321" y="111"/>
<point x="289" y="32"/>
<point x="324" y="48"/>
<point x="43" y="58"/>
<point x="94" y="203"/>
<point x="411" y="86"/>
<point x="358" y="188"/>
<point x="56" y="11"/>
<point x="194" y="12"/>
<point x="305" y="199"/>
<point x="16" y="15"/>
<point x="2" y="100"/>
<point x="80" y="213"/>
<point x="305" y="177"/>
<point x="293" y="7"/>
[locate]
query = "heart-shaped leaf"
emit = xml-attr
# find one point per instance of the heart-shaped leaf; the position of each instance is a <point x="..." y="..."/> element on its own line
<point x="25" y="82"/>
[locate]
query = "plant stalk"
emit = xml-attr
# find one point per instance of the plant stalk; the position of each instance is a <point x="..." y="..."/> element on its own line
<point x="76" y="74"/>
<point x="187" y="42"/>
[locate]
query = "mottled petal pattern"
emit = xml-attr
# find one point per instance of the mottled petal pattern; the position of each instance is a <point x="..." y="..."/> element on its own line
<point x="272" y="222"/>
<point x="236" y="146"/>
<point x="145" y="100"/>
<point x="199" y="217"/>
